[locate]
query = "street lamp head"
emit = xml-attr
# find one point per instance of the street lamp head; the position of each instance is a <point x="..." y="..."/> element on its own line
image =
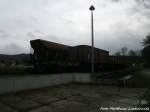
<point x="92" y="8"/>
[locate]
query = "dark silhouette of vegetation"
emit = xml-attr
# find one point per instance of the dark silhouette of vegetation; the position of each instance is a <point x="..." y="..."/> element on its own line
<point x="117" y="53"/>
<point x="124" y="51"/>
<point x="15" y="64"/>
<point x="132" y="53"/>
<point x="146" y="41"/>
<point x="146" y="50"/>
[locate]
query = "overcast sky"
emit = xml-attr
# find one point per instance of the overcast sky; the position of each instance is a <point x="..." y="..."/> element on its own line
<point x="117" y="23"/>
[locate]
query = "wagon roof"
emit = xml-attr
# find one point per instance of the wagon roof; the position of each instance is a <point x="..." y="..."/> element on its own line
<point x="51" y="45"/>
<point x="87" y="46"/>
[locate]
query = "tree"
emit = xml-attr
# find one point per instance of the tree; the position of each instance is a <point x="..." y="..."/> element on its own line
<point x="146" y="50"/>
<point x="146" y="41"/>
<point x="117" y="53"/>
<point x="138" y="53"/>
<point x="132" y="53"/>
<point x="123" y="51"/>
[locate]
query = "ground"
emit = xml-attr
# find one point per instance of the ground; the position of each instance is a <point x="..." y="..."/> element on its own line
<point x="72" y="98"/>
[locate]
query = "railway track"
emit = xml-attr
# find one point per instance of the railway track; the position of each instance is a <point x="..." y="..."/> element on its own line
<point x="114" y="74"/>
<point x="115" y="77"/>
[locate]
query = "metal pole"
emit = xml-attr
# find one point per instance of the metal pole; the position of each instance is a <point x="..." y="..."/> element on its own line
<point x="92" y="35"/>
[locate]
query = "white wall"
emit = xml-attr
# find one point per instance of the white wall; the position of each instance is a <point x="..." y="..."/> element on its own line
<point x="18" y="83"/>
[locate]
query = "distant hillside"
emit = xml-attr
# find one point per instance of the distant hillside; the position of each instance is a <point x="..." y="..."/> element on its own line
<point x="14" y="56"/>
<point x="19" y="58"/>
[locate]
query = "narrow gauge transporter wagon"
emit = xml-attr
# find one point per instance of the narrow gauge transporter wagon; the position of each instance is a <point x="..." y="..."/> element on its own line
<point x="53" y="57"/>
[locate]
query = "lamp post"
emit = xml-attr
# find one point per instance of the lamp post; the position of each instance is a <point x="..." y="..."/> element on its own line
<point x="92" y="36"/>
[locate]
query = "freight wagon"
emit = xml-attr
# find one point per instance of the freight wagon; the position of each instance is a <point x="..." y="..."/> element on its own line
<point x="54" y="57"/>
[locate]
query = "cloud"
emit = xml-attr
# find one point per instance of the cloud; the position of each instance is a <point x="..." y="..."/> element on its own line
<point x="12" y="49"/>
<point x="117" y="23"/>
<point x="3" y="34"/>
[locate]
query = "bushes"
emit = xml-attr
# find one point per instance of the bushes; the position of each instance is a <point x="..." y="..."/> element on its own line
<point x="146" y="56"/>
<point x="15" y="69"/>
